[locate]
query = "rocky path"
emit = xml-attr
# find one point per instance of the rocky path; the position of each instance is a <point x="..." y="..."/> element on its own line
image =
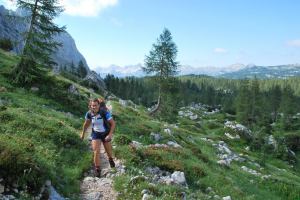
<point x="94" y="188"/>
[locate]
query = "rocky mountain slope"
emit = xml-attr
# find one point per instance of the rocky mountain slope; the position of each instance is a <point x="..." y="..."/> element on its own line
<point x="12" y="26"/>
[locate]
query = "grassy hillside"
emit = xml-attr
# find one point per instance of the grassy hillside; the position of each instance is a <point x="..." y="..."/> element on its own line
<point x="39" y="140"/>
<point x="198" y="160"/>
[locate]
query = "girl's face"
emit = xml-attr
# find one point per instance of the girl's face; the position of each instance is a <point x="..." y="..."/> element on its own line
<point x="95" y="107"/>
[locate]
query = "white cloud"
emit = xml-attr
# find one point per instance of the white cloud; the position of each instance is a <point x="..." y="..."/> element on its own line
<point x="86" y="8"/>
<point x="9" y="4"/>
<point x="294" y="43"/>
<point x="220" y="50"/>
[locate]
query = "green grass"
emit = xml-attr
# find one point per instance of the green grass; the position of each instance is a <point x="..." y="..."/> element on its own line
<point x="198" y="160"/>
<point x="40" y="141"/>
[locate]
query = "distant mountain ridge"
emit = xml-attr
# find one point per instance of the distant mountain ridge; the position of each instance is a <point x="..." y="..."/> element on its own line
<point x="124" y="71"/>
<point x="235" y="71"/>
<point x="264" y="72"/>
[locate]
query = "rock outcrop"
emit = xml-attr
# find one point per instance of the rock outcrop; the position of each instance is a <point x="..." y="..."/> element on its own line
<point x="13" y="26"/>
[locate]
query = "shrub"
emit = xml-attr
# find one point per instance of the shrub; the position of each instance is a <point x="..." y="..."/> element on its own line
<point x="165" y="158"/>
<point x="19" y="165"/>
<point x="293" y="141"/>
<point x="122" y="139"/>
<point x="198" y="153"/>
<point x="197" y="171"/>
<point x="213" y="125"/>
<point x="6" y="44"/>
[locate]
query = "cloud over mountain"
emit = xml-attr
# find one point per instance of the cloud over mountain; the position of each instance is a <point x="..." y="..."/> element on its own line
<point x="86" y="8"/>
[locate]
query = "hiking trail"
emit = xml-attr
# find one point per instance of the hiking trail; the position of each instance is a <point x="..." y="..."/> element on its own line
<point x="94" y="188"/>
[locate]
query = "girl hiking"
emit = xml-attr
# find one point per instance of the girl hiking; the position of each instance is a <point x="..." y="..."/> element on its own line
<point x="103" y="127"/>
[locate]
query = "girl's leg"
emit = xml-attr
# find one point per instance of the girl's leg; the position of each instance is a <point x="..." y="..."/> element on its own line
<point x="96" y="149"/>
<point x="108" y="149"/>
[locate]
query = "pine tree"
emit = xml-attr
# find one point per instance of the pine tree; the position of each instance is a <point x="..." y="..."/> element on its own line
<point x="38" y="45"/>
<point x="72" y="68"/>
<point x="255" y="102"/>
<point x="243" y="103"/>
<point x="287" y="106"/>
<point x="161" y="62"/>
<point x="82" y="72"/>
<point x="274" y="97"/>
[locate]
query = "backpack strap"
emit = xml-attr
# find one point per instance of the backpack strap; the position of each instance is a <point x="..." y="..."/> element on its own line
<point x="105" y="121"/>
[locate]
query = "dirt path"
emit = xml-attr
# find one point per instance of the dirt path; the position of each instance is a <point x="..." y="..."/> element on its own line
<point x="94" y="188"/>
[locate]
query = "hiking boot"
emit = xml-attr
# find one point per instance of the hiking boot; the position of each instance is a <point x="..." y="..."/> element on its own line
<point x="97" y="172"/>
<point x="111" y="163"/>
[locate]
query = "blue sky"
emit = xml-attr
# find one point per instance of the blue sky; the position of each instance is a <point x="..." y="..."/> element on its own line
<point x="207" y="32"/>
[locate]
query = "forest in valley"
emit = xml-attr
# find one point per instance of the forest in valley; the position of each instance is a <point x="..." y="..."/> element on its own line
<point x="254" y="103"/>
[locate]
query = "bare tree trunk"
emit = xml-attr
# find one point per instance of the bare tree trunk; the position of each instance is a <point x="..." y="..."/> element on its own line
<point x="152" y="112"/>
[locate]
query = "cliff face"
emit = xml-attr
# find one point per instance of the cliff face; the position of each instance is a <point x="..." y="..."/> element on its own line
<point x="12" y="26"/>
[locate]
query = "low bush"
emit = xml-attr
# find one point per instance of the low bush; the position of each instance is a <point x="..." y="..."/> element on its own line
<point x="6" y="44"/>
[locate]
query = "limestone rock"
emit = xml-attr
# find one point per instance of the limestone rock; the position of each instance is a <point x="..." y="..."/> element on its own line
<point x="227" y="198"/>
<point x="34" y="89"/>
<point x="73" y="90"/>
<point x="146" y="197"/>
<point x="173" y="144"/>
<point x="3" y="89"/>
<point x="156" y="137"/>
<point x="179" y="177"/>
<point x="1" y="188"/>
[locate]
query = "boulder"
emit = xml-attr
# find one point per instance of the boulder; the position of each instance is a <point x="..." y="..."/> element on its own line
<point x="94" y="195"/>
<point x="54" y="195"/>
<point x="145" y="191"/>
<point x="179" y="178"/>
<point x="239" y="129"/>
<point x="34" y="89"/>
<point x="272" y="142"/>
<point x="73" y="90"/>
<point x="136" y="144"/>
<point x="3" y="89"/>
<point x="146" y="197"/>
<point x="251" y="171"/>
<point x="1" y="188"/>
<point x="168" y="131"/>
<point x="155" y="136"/>
<point x="194" y="117"/>
<point x="173" y="144"/>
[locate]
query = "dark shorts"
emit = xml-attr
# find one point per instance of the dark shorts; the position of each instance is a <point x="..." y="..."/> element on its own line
<point x="99" y="135"/>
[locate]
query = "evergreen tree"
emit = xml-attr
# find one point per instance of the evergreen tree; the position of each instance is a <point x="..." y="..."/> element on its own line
<point x="82" y="72"/>
<point x="243" y="103"/>
<point x="38" y="45"/>
<point x="72" y="68"/>
<point x="162" y="62"/>
<point x="287" y="107"/>
<point x="255" y="102"/>
<point x="274" y="97"/>
<point x="170" y="105"/>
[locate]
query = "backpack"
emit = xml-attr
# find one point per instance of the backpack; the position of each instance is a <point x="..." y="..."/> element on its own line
<point x="103" y="110"/>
